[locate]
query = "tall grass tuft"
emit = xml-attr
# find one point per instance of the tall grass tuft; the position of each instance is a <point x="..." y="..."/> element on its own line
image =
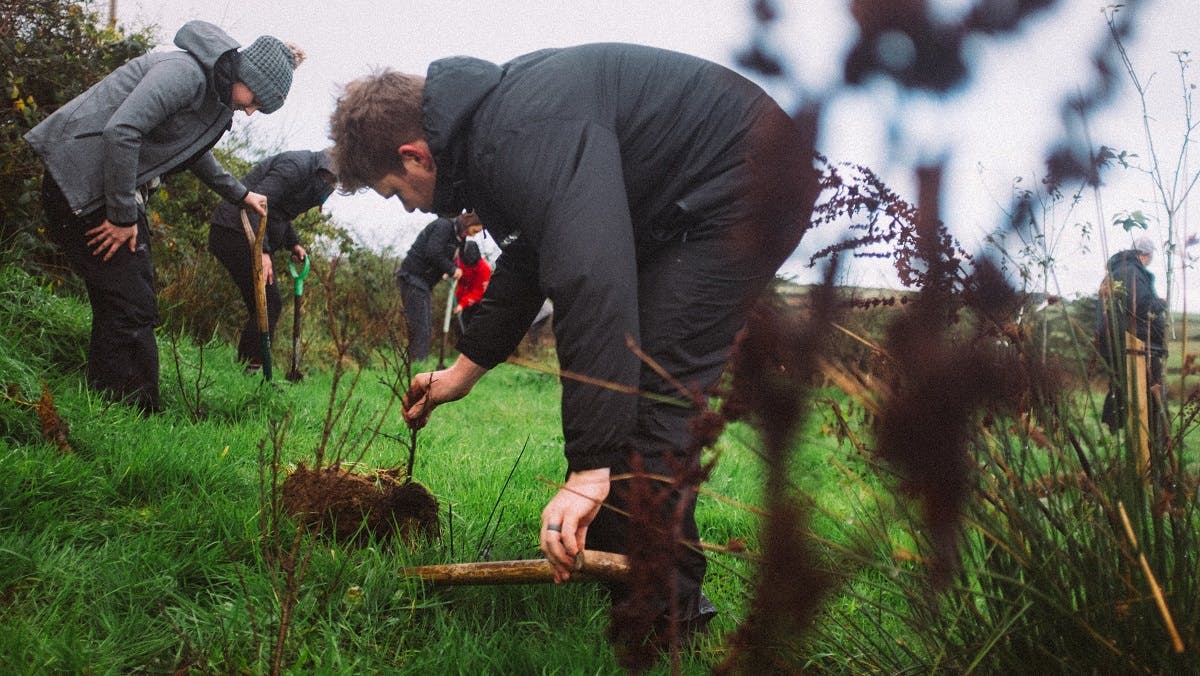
<point x="41" y="337"/>
<point x="999" y="526"/>
<point x="1070" y="563"/>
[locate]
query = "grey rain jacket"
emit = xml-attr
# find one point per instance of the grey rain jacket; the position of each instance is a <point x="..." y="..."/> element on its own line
<point x="577" y="160"/>
<point x="141" y="121"/>
<point x="293" y="184"/>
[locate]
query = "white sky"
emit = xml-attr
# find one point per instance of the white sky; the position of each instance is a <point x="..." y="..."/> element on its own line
<point x="994" y="131"/>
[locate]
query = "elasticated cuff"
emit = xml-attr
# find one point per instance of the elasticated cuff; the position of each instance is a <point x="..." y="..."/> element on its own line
<point x="592" y="461"/>
<point x="481" y="357"/>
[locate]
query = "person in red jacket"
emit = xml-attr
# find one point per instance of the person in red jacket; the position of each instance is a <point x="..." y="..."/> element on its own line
<point x="476" y="273"/>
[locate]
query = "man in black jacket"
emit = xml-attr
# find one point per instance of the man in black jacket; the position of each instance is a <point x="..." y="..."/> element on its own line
<point x="429" y="260"/>
<point x="1129" y="304"/>
<point x="294" y="182"/>
<point x="649" y="194"/>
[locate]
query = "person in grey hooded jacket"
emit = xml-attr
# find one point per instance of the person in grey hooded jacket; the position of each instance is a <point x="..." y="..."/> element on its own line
<point x="106" y="149"/>
<point x="650" y="195"/>
<point x="293" y="182"/>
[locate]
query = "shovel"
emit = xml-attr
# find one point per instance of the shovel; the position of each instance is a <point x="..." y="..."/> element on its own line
<point x="446" y="323"/>
<point x="260" y="287"/>
<point x="294" y="375"/>
<point x="589" y="566"/>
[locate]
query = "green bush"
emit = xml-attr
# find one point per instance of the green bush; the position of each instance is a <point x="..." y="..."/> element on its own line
<point x="52" y="50"/>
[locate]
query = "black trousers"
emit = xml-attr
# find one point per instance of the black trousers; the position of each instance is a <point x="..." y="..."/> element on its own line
<point x="123" y="353"/>
<point x="1115" y="407"/>
<point x="418" y="315"/>
<point x="693" y="297"/>
<point x="233" y="251"/>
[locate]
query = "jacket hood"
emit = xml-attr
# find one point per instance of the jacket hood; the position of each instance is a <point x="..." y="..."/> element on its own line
<point x="325" y="161"/>
<point x="205" y="42"/>
<point x="454" y="89"/>
<point x="1124" y="258"/>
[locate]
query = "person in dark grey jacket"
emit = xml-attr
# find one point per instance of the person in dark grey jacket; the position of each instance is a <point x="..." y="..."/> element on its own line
<point x="107" y="148"/>
<point x="1128" y="303"/>
<point x="649" y="194"/>
<point x="293" y="182"/>
<point x="429" y="260"/>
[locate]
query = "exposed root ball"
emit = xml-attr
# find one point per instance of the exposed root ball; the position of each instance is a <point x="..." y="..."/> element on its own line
<point x="336" y="501"/>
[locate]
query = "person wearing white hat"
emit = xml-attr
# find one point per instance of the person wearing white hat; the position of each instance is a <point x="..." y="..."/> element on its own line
<point x="1129" y="304"/>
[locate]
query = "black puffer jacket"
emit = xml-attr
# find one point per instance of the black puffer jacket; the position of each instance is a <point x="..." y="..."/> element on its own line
<point x="1135" y="305"/>
<point x="432" y="253"/>
<point x="294" y="182"/>
<point x="577" y="161"/>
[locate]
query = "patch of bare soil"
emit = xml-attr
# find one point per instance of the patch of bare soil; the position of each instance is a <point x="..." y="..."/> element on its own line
<point x="348" y="505"/>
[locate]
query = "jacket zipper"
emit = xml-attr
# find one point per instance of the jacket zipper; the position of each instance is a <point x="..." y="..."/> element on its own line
<point x="214" y="123"/>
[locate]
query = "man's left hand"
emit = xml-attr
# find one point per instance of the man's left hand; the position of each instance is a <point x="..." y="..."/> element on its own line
<point x="566" y="518"/>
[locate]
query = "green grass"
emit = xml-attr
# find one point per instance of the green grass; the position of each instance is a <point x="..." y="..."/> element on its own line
<point x="143" y="548"/>
<point x="140" y="551"/>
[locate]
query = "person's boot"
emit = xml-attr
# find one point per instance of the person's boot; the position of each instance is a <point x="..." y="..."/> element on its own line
<point x="691" y="628"/>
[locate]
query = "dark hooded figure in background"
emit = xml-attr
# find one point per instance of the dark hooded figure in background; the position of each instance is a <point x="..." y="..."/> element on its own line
<point x="1129" y="305"/>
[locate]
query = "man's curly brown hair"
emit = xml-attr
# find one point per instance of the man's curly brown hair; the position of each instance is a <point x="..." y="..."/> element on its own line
<point x="374" y="116"/>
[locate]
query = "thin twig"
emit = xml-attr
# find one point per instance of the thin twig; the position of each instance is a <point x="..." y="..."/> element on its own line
<point x="578" y="377"/>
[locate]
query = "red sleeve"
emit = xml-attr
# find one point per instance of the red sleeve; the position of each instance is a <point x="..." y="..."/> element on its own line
<point x="472" y="283"/>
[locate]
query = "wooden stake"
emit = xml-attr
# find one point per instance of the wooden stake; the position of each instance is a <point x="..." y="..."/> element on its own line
<point x="589" y="565"/>
<point x="1159" y="600"/>
<point x="1138" y="409"/>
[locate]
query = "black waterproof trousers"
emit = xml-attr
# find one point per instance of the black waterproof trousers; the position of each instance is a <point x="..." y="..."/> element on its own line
<point x="418" y="314"/>
<point x="233" y="251"/>
<point x="122" y="359"/>
<point x="694" y="295"/>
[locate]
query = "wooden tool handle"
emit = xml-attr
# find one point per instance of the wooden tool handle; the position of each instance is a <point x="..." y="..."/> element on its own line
<point x="260" y="289"/>
<point x="255" y="240"/>
<point x="589" y="565"/>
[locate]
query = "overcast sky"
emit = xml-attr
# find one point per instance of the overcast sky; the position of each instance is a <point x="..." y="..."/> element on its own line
<point x="996" y="130"/>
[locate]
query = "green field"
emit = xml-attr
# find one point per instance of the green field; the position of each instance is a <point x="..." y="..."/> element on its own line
<point x="132" y="545"/>
<point x="140" y="546"/>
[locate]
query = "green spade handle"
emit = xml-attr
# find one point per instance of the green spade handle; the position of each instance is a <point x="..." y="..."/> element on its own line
<point x="299" y="276"/>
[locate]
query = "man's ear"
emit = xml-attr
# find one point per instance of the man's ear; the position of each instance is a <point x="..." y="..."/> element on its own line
<point x="418" y="152"/>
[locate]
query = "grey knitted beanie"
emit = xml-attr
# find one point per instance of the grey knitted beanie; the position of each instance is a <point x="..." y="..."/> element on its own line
<point x="266" y="69"/>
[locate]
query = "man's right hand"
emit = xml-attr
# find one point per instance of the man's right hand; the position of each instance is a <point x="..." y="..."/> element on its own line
<point x="428" y="390"/>
<point x="108" y="238"/>
<point x="256" y="203"/>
